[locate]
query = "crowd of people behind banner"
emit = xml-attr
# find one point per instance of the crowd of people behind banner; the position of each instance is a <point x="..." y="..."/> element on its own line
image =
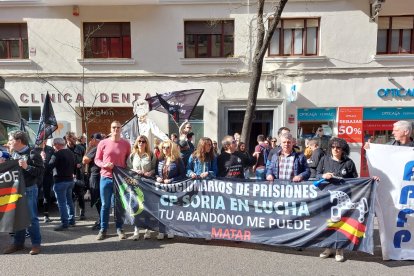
<point x="76" y="172"/>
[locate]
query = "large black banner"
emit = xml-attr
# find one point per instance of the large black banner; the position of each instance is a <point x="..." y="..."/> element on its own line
<point x="284" y="213"/>
<point x="13" y="205"/>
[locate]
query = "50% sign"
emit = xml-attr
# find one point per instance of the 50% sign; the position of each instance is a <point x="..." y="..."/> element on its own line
<point x="350" y="124"/>
<point x="349" y="130"/>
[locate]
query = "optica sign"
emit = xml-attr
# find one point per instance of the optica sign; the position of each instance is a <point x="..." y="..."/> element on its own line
<point x="395" y="93"/>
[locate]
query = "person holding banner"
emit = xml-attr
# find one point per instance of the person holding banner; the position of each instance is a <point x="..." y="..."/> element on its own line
<point x="336" y="165"/>
<point x="143" y="162"/>
<point x="402" y="134"/>
<point x="231" y="163"/>
<point x="287" y="164"/>
<point x="202" y="163"/>
<point x="401" y="131"/>
<point x="31" y="164"/>
<point x="170" y="168"/>
<point x="111" y="152"/>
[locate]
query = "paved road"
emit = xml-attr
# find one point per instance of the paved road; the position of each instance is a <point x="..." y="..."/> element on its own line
<point x="76" y="252"/>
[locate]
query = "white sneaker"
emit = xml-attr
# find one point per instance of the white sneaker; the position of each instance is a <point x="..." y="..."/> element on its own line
<point x="339" y="257"/>
<point x="147" y="234"/>
<point x="135" y="237"/>
<point x="160" y="236"/>
<point x="170" y="236"/>
<point x="326" y="254"/>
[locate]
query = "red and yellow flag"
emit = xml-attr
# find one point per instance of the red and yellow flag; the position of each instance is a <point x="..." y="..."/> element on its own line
<point x="350" y="227"/>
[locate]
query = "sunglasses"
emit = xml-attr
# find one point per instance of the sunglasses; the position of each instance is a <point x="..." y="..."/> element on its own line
<point x="336" y="148"/>
<point x="165" y="148"/>
<point x="320" y="130"/>
<point x="273" y="141"/>
<point x="141" y="141"/>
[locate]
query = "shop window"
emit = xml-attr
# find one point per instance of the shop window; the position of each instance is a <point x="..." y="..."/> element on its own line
<point x="107" y="40"/>
<point x="395" y="35"/>
<point x="13" y="41"/>
<point x="295" y="37"/>
<point x="32" y="115"/>
<point x="209" y="39"/>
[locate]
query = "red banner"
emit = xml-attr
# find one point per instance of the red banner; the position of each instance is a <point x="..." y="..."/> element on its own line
<point x="350" y="124"/>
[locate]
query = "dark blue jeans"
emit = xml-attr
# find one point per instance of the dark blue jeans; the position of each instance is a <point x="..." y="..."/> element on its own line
<point x="63" y="192"/>
<point x="34" y="228"/>
<point x="107" y="192"/>
<point x="261" y="174"/>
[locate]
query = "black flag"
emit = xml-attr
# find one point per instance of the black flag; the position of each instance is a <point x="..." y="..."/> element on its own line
<point x="47" y="123"/>
<point x="174" y="110"/>
<point x="181" y="103"/>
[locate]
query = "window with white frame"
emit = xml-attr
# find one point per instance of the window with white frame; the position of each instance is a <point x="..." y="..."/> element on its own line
<point x="395" y="35"/>
<point x="295" y="37"/>
<point x="13" y="41"/>
<point x="107" y="40"/>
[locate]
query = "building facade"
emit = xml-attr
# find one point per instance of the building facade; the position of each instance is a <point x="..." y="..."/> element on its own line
<point x="336" y="64"/>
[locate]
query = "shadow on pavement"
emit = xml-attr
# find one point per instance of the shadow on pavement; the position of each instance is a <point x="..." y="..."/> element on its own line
<point x="81" y="238"/>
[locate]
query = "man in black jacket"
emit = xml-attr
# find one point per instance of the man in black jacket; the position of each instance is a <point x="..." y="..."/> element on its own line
<point x="79" y="152"/>
<point x="63" y="163"/>
<point x="31" y="164"/>
<point x="47" y="180"/>
<point x="317" y="155"/>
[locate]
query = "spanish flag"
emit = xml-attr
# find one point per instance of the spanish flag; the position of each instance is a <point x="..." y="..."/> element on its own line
<point x="351" y="228"/>
<point x="8" y="197"/>
<point x="14" y="214"/>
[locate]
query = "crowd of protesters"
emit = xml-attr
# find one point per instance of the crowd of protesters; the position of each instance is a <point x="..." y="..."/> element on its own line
<point x="76" y="172"/>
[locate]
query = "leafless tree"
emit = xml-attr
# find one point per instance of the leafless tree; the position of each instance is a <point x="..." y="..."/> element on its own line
<point x="83" y="112"/>
<point x="262" y="44"/>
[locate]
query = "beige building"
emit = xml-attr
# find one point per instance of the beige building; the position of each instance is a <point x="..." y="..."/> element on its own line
<point x="325" y="57"/>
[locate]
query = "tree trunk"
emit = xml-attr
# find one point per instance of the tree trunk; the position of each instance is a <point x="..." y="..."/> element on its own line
<point x="262" y="45"/>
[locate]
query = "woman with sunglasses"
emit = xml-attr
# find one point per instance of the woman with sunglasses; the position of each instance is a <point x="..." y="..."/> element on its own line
<point x="170" y="168"/>
<point x="202" y="163"/>
<point x="142" y="161"/>
<point x="335" y="166"/>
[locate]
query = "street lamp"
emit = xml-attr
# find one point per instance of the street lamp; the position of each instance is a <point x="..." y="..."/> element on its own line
<point x="375" y="8"/>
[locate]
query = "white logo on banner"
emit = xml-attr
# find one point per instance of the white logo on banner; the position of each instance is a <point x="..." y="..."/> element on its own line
<point x="345" y="203"/>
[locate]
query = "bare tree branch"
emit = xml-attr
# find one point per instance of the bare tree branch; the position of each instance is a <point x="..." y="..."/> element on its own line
<point x="262" y="44"/>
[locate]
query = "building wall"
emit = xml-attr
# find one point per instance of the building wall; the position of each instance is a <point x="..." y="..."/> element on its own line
<point x="347" y="71"/>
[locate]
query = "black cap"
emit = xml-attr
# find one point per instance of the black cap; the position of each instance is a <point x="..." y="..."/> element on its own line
<point x="97" y="136"/>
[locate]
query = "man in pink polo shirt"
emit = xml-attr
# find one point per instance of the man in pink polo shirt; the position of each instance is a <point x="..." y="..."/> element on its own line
<point x="110" y="152"/>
